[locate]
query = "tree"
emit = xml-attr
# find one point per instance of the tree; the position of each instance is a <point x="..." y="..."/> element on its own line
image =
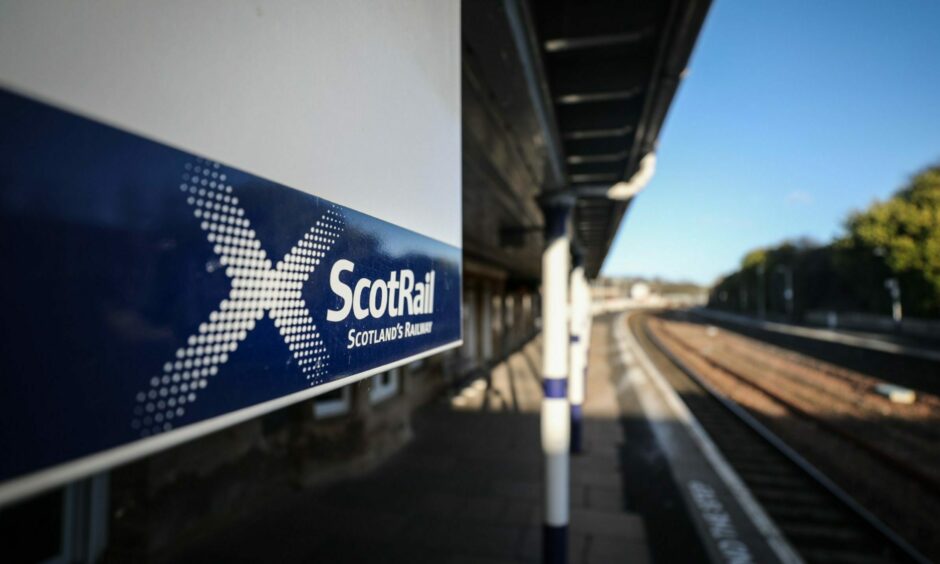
<point x="901" y="237"/>
<point x="898" y="238"/>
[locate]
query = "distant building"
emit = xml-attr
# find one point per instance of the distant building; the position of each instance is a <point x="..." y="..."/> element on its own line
<point x="639" y="291"/>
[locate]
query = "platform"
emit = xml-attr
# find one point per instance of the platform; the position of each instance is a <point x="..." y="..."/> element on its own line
<point x="902" y="345"/>
<point x="468" y="487"/>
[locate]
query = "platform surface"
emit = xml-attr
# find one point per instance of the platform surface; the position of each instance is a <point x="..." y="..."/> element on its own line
<point x="468" y="487"/>
<point x="903" y="345"/>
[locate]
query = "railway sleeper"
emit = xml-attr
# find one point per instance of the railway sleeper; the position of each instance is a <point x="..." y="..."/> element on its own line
<point x="846" y="556"/>
<point x="824" y="533"/>
<point x="783" y="512"/>
<point x="779" y="480"/>
<point x="789" y="495"/>
<point x="808" y="512"/>
<point x="759" y="466"/>
<point x="750" y="451"/>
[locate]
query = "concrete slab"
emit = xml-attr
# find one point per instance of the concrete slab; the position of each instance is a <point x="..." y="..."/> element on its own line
<point x="892" y="344"/>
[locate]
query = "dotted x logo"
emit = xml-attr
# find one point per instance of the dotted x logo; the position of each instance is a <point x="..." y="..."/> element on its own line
<point x="257" y="288"/>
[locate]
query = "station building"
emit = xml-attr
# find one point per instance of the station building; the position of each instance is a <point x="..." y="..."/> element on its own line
<point x="557" y="98"/>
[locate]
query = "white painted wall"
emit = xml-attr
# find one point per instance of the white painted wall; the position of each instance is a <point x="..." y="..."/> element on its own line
<point x="356" y="102"/>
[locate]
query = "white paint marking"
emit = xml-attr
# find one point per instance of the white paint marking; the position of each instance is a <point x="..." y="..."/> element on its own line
<point x="625" y="341"/>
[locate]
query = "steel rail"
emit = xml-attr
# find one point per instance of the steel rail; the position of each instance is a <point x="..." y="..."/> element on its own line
<point x="897" y="463"/>
<point x="785" y="450"/>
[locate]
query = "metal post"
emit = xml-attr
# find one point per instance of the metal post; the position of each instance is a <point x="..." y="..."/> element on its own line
<point x="528" y="319"/>
<point x="788" y="288"/>
<point x="508" y="310"/>
<point x="486" y="324"/>
<point x="761" y="297"/>
<point x="586" y="334"/>
<point x="576" y="357"/>
<point x="555" y="416"/>
<point x="586" y="337"/>
<point x="894" y="288"/>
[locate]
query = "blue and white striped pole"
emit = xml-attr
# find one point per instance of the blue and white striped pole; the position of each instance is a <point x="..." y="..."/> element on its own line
<point x="556" y="423"/>
<point x="576" y="357"/>
<point x="586" y="333"/>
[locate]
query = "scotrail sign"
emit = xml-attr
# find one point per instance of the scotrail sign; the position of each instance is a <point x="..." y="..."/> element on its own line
<point x="152" y="294"/>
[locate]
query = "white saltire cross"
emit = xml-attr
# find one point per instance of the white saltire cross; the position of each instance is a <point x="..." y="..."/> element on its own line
<point x="256" y="288"/>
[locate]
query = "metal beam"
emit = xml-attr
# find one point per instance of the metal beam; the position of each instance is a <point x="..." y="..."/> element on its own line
<point x="595" y="178"/>
<point x="593" y="97"/>
<point x="598" y="133"/>
<point x="523" y="34"/>
<point x="576" y="43"/>
<point x="599" y="158"/>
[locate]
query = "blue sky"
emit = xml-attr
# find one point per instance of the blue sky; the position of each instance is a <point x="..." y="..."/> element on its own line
<point x="793" y="114"/>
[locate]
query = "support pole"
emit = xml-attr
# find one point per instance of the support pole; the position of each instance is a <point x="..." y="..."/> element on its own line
<point x="509" y="311"/>
<point x="761" y="289"/>
<point x="486" y="322"/>
<point x="555" y="416"/>
<point x="576" y="356"/>
<point x="588" y="323"/>
<point x="586" y="332"/>
<point x="894" y="288"/>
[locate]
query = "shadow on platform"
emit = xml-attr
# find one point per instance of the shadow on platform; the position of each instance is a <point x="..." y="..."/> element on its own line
<point x="469" y="487"/>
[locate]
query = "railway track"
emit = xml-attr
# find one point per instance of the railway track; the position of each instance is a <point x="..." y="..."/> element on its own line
<point x="911" y="372"/>
<point x="821" y="521"/>
<point x="856" y="437"/>
<point x="862" y="389"/>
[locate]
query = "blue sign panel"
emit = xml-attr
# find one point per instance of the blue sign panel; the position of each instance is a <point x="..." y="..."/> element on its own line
<point x="147" y="291"/>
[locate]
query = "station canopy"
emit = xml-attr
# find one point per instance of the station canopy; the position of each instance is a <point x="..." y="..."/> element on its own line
<point x="591" y="83"/>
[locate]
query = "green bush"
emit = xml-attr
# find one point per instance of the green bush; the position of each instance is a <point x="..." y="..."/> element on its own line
<point x="898" y="238"/>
